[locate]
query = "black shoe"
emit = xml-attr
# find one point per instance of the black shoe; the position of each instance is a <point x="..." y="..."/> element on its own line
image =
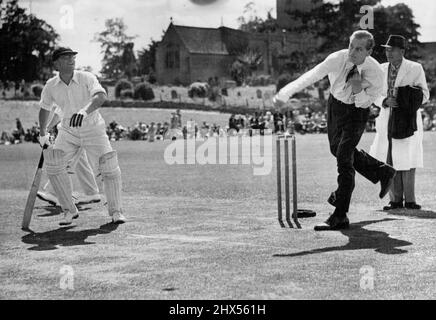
<point x="304" y="213"/>
<point x="386" y="181"/>
<point x="412" y="205"/>
<point x="393" y="205"/>
<point x="334" y="223"/>
<point x="332" y="199"/>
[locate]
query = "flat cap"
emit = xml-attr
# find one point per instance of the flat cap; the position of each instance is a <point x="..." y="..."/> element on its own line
<point x="61" y="51"/>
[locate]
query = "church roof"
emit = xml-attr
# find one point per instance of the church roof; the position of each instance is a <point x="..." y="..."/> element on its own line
<point x="202" y="40"/>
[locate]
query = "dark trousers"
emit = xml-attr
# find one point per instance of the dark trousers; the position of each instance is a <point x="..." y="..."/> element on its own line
<point x="345" y="125"/>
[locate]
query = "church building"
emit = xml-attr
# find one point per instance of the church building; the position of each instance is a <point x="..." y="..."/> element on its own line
<point x="188" y="54"/>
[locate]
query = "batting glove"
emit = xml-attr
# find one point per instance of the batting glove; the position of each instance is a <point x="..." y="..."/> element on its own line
<point x="77" y="118"/>
<point x="44" y="141"/>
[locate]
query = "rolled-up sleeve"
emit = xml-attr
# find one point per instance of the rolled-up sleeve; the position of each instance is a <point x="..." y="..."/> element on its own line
<point x="317" y="73"/>
<point x="46" y="101"/>
<point x="373" y="92"/>
<point x="94" y="85"/>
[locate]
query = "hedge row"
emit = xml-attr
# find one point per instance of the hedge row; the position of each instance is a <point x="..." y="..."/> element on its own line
<point x="162" y="105"/>
<point x="176" y="105"/>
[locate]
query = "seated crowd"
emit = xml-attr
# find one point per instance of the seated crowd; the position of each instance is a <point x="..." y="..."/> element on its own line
<point x="277" y="122"/>
<point x="19" y="135"/>
<point x="304" y="121"/>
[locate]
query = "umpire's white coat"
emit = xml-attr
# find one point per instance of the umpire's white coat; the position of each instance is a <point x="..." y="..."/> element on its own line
<point x="406" y="153"/>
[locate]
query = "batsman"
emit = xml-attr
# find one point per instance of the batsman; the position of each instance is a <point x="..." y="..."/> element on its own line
<point x="79" y="95"/>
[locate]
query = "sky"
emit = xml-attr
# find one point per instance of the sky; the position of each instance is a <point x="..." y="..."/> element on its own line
<point x="77" y="21"/>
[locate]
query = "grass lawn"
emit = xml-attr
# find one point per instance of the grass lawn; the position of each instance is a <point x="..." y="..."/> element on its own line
<point x="28" y="114"/>
<point x="210" y="232"/>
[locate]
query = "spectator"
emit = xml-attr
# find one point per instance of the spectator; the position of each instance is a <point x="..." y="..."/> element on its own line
<point x="6" y="138"/>
<point x="174" y="121"/>
<point x="233" y="123"/>
<point x="20" y="130"/>
<point x="179" y="118"/>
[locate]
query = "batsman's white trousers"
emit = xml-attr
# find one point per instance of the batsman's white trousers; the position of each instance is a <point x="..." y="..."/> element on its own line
<point x="84" y="173"/>
<point x="91" y="137"/>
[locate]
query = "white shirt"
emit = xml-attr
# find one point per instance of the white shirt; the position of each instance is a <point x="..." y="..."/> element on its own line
<point x="72" y="97"/>
<point x="336" y="66"/>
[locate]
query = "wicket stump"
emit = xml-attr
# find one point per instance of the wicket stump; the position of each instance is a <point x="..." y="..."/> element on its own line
<point x="285" y="139"/>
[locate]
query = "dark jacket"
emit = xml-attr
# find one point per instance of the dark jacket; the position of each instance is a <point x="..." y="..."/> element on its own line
<point x="402" y="123"/>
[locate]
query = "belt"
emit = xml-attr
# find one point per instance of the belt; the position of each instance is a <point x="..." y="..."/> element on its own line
<point x="340" y="102"/>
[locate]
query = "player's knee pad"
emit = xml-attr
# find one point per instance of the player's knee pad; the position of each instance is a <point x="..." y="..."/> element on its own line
<point x="108" y="165"/>
<point x="111" y="174"/>
<point x="55" y="161"/>
<point x="56" y="168"/>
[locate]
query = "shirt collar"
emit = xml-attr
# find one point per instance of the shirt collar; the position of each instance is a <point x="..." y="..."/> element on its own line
<point x="399" y="65"/>
<point x="349" y="65"/>
<point x="75" y="78"/>
<point x="57" y="79"/>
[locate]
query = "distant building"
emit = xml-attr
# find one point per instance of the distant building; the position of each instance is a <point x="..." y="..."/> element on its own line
<point x="187" y="54"/>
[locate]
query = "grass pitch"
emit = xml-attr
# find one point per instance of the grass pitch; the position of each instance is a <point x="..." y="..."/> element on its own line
<point x="211" y="232"/>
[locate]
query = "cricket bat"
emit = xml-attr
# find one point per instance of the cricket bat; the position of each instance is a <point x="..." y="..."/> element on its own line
<point x="32" y="194"/>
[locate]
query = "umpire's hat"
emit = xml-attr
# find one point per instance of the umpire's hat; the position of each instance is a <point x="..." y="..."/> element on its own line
<point x="395" y="41"/>
<point x="61" y="51"/>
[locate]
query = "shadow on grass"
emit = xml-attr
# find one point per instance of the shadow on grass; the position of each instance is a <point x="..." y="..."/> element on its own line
<point x="421" y="214"/>
<point x="360" y="238"/>
<point x="56" y="210"/>
<point x="52" y="211"/>
<point x="64" y="237"/>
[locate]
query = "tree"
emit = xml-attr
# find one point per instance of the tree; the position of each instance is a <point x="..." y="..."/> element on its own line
<point x="253" y="23"/>
<point x="237" y="72"/>
<point x="26" y="44"/>
<point x="128" y="61"/>
<point x="396" y="19"/>
<point x="333" y="23"/>
<point x="251" y="59"/>
<point x="245" y="64"/>
<point x="114" y="41"/>
<point x="429" y="65"/>
<point x="147" y="58"/>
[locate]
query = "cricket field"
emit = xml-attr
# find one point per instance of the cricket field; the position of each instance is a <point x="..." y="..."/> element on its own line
<point x="210" y="231"/>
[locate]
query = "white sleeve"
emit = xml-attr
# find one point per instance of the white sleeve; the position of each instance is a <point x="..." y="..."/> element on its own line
<point x="46" y="101"/>
<point x="331" y="63"/>
<point x="94" y="85"/>
<point x="421" y="82"/>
